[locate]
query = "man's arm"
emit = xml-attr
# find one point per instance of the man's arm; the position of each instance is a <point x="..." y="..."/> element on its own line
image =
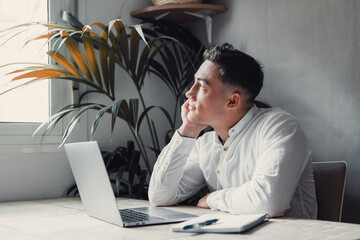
<point x="176" y="175"/>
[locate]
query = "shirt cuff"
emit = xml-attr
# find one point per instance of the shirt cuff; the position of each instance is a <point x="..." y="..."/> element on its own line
<point x="211" y="200"/>
<point x="186" y="143"/>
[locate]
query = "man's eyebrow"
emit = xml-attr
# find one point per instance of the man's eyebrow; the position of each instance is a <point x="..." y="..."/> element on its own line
<point x="203" y="80"/>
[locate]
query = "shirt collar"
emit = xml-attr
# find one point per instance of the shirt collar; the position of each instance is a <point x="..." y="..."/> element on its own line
<point x="241" y="124"/>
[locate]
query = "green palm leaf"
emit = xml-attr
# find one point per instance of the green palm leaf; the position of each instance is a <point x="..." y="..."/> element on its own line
<point x="97" y="119"/>
<point x="52" y="121"/>
<point x="134" y="51"/>
<point x="145" y="112"/>
<point x="70" y="127"/>
<point x="134" y="109"/>
<point x="69" y="18"/>
<point x="119" y="109"/>
<point x="122" y="40"/>
<point x="103" y="54"/>
<point x="112" y="60"/>
<point x="116" y="44"/>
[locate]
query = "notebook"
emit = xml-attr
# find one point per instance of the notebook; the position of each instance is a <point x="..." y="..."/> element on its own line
<point x="98" y="197"/>
<point x="221" y="223"/>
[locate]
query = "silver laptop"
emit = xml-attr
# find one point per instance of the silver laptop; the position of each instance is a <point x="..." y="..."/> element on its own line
<point x="97" y="195"/>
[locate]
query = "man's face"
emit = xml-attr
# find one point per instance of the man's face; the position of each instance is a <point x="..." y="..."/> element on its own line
<point x="208" y="96"/>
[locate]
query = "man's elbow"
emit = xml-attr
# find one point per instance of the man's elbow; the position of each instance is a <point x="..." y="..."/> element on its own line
<point x="275" y="212"/>
<point x="274" y="208"/>
<point x="271" y="206"/>
<point x="154" y="201"/>
<point x="158" y="200"/>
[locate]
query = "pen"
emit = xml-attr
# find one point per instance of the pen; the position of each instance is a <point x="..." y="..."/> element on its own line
<point x="201" y="224"/>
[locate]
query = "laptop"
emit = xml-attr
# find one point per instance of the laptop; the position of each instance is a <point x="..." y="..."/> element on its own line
<point x="97" y="195"/>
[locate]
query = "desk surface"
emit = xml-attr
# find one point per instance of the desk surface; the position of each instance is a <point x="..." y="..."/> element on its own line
<point x="65" y="219"/>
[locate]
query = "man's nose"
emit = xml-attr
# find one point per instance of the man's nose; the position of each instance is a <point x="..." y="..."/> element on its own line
<point x="190" y="94"/>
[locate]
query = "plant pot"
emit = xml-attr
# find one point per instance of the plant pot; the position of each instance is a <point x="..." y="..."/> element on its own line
<point x="162" y="2"/>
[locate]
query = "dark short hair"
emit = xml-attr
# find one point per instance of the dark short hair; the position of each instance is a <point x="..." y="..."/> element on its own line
<point x="237" y="69"/>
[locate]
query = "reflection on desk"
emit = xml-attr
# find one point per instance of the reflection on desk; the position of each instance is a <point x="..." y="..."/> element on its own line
<point x="65" y="219"/>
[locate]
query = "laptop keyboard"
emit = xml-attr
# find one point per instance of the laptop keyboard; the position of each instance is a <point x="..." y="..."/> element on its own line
<point x="129" y="216"/>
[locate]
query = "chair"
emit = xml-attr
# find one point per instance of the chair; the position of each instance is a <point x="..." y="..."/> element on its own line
<point x="330" y="180"/>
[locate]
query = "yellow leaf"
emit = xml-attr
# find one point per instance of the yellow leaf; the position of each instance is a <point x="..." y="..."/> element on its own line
<point x="77" y="56"/>
<point x="42" y="74"/>
<point x="90" y="53"/>
<point x="65" y="63"/>
<point x="45" y="36"/>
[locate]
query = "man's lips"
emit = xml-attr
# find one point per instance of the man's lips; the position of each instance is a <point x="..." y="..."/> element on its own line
<point x="191" y="108"/>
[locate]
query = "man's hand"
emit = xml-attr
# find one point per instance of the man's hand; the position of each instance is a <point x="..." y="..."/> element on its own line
<point x="202" y="202"/>
<point x="189" y="129"/>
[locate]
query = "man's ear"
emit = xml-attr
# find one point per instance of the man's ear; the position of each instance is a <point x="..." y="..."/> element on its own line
<point x="234" y="100"/>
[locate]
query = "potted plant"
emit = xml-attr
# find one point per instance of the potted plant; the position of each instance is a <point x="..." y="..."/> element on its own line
<point x="138" y="53"/>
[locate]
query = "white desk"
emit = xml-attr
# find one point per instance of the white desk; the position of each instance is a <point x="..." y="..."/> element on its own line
<point x="65" y="219"/>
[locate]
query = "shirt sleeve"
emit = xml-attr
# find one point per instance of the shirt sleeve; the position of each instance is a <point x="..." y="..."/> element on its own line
<point x="282" y="159"/>
<point x="176" y="174"/>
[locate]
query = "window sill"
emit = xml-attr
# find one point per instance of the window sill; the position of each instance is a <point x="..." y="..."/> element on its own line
<point x="27" y="144"/>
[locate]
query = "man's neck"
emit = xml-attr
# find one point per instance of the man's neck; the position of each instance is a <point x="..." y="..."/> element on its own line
<point x="222" y="129"/>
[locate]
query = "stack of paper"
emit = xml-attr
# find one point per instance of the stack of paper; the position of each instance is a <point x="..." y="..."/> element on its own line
<point x="221" y="223"/>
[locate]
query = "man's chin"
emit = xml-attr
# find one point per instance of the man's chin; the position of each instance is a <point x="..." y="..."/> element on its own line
<point x="192" y="118"/>
<point x="195" y="120"/>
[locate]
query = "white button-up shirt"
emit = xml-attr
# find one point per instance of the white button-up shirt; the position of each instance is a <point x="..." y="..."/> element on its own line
<point x="263" y="167"/>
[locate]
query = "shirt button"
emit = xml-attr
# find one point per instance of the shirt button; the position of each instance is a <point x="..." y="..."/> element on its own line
<point x="226" y="148"/>
<point x="176" y="142"/>
<point x="166" y="163"/>
<point x="218" y="172"/>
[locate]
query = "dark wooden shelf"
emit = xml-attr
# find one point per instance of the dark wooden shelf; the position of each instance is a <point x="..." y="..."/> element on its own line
<point x="177" y="12"/>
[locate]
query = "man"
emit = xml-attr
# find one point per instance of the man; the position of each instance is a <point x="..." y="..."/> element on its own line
<point x="255" y="160"/>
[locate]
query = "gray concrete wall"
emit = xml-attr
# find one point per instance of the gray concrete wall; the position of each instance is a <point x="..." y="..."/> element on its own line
<point x="310" y="53"/>
<point x="154" y="91"/>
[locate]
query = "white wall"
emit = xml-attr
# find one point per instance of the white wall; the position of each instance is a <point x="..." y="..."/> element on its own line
<point x="310" y="53"/>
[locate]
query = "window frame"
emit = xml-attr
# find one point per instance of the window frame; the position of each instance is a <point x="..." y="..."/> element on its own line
<point x="18" y="136"/>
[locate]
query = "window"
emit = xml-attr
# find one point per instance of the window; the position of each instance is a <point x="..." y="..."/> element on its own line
<point x="15" y="133"/>
<point x="29" y="104"/>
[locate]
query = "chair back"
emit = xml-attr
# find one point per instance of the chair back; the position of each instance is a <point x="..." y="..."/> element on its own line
<point x="330" y="178"/>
